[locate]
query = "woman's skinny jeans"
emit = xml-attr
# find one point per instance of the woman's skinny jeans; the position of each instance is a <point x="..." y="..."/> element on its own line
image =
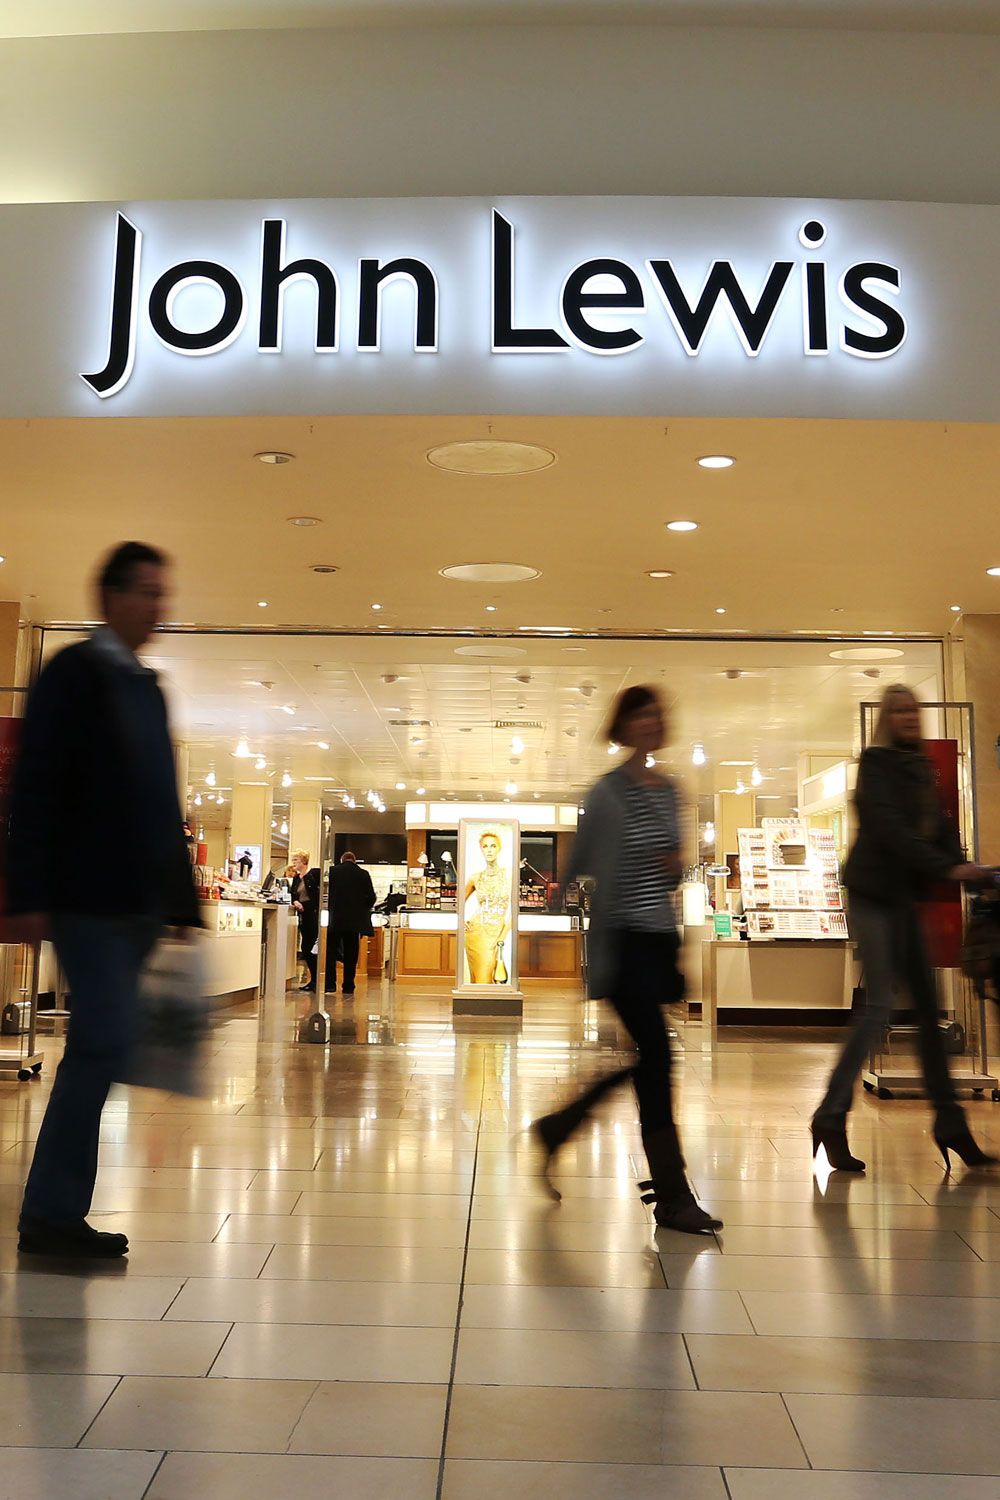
<point x="891" y="947"/>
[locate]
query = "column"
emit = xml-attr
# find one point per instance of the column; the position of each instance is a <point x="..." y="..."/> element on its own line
<point x="182" y="762"/>
<point x="733" y="810"/>
<point x="10" y="620"/>
<point x="982" y="689"/>
<point x="251" y="820"/>
<point x="304" y="820"/>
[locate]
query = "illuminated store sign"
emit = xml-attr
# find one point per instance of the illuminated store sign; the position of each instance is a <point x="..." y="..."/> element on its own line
<point x="197" y="306"/>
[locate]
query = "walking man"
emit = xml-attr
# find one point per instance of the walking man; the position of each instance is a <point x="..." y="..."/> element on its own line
<point x="352" y="897"/>
<point x="97" y="863"/>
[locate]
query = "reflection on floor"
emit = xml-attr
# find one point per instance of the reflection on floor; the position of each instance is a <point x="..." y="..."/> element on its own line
<point x="345" y="1282"/>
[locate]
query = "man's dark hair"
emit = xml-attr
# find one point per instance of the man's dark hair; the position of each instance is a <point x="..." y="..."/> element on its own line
<point x="118" y="569"/>
<point x="631" y="700"/>
<point x="347" y="858"/>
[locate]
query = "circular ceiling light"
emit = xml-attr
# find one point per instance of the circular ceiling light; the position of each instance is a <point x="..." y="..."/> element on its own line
<point x="304" y="521"/>
<point x="491" y="456"/>
<point x="993" y="572"/>
<point x="866" y="653"/>
<point x="716" y="461"/>
<point x="682" y="525"/>
<point x="324" y="568"/>
<point x="272" y="456"/>
<point x="956" y="609"/>
<point x="490" y="572"/>
<point x="490" y="651"/>
<point x="659" y="573"/>
<point x="261" y="603"/>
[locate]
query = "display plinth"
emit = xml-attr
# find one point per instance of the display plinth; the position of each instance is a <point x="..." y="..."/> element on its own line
<point x="486" y="1000"/>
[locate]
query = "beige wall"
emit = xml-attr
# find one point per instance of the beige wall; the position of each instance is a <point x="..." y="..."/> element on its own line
<point x="10" y="620"/>
<point x="500" y="109"/>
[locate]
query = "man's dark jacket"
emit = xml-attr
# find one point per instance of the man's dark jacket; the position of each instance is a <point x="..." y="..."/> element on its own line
<point x="352" y="897"/>
<point x="95" y="825"/>
<point x="905" y="840"/>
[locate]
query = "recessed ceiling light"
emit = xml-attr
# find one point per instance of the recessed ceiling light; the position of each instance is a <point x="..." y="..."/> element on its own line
<point x="720" y="611"/>
<point x="490" y="651"/>
<point x="659" y="573"/>
<point x="305" y="521"/>
<point x="261" y="603"/>
<point x="993" y="572"/>
<point x="3" y="559"/>
<point x="421" y="791"/>
<point x="376" y="606"/>
<point x="322" y="745"/>
<point x="400" y="786"/>
<point x="242" y="751"/>
<point x="716" y="461"/>
<point x="511" y="789"/>
<point x="866" y="653"/>
<point x="682" y="525"/>
<point x="956" y="609"/>
<point x="490" y="572"/>
<point x="324" y="568"/>
<point x="260" y="764"/>
<point x="491" y="609"/>
<point x="491" y="456"/>
<point x="272" y="456"/>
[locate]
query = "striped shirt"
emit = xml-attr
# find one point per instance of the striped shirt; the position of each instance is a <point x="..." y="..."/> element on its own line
<point x="643" y="898"/>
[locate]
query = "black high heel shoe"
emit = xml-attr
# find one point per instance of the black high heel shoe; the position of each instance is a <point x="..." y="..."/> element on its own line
<point x="683" y="1213"/>
<point x="549" y="1134"/>
<point x="954" y="1135"/>
<point x="833" y="1139"/>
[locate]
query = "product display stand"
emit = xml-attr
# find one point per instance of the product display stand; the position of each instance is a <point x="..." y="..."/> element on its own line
<point x="495" y="900"/>
<point x="21" y="962"/>
<point x="886" y="1078"/>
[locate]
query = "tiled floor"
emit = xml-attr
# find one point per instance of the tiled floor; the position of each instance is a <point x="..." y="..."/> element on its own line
<point x="345" y="1282"/>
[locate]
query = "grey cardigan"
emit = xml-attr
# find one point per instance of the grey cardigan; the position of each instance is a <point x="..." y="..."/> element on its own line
<point x="597" y="852"/>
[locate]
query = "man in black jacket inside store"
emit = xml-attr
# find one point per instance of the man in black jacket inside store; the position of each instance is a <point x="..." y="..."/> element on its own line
<point x="352" y="897"/>
<point x="98" y="863"/>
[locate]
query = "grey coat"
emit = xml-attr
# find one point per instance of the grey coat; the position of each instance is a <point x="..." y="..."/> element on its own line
<point x="597" y="852"/>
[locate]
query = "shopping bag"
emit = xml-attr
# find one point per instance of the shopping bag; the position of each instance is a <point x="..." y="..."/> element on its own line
<point x="174" y="1020"/>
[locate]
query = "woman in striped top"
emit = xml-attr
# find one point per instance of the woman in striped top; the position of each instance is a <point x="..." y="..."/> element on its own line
<point x="630" y="842"/>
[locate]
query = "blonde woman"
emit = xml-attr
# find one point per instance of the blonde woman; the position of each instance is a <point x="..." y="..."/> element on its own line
<point x="905" y="841"/>
<point x="487" y="930"/>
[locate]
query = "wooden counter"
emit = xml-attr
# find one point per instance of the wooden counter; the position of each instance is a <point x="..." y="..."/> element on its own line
<point x="540" y="955"/>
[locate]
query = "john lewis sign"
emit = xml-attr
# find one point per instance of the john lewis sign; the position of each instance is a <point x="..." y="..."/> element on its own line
<point x="598" y="307"/>
<point x="590" y="306"/>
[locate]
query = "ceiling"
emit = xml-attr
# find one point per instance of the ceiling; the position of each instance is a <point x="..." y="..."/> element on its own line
<point x="820" y="527"/>
<point x="787" y="699"/>
<point x="26" y="18"/>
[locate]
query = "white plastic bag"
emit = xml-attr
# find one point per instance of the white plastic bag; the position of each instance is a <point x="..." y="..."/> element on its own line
<point x="175" y="1018"/>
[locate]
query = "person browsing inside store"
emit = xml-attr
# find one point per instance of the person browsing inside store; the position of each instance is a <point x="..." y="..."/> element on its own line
<point x="305" y="900"/>
<point x="904" y="842"/>
<point x="352" y="897"/>
<point x="629" y="841"/>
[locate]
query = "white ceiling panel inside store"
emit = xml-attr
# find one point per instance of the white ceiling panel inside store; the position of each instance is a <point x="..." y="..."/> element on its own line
<point x="394" y="710"/>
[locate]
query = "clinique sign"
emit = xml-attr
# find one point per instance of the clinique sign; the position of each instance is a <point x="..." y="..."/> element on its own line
<point x="846" y="311"/>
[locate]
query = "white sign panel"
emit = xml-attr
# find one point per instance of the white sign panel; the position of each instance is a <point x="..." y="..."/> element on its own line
<point x="629" y="306"/>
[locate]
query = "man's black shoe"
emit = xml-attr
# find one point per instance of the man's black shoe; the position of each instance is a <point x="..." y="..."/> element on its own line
<point x="70" y="1240"/>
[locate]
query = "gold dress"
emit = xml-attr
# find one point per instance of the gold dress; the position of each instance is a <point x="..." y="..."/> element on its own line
<point x="484" y="930"/>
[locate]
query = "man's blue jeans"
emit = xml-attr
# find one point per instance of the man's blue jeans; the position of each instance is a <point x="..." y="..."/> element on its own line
<point x="102" y="958"/>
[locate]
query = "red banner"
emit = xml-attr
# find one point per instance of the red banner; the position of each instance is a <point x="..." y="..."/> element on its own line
<point x="942" y="908"/>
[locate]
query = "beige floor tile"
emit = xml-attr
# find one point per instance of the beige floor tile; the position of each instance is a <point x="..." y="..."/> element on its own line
<point x="556" y="1233"/>
<point x="561" y="1268"/>
<point x="642" y="1361"/>
<point x="848" y="1366"/>
<point x="403" y="1304"/>
<point x="108" y="1346"/>
<point x="163" y="1227"/>
<point x="217" y="1154"/>
<point x="356" y="1180"/>
<point x="452" y="1207"/>
<point x="802" y="1189"/>
<point x="48" y="1295"/>
<point x="621" y="1426"/>
<point x="299" y="1229"/>
<point x="202" y="1178"/>
<point x="774" y="1484"/>
<point x="900" y="1434"/>
<point x="274" y="1351"/>
<point x="891" y="1244"/>
<point x="986" y="1245"/>
<point x="763" y="1273"/>
<point x="471" y="1479"/>
<point x="846" y="1216"/>
<point x="202" y="1416"/>
<point x="195" y="1199"/>
<point x="373" y="1419"/>
<point x="362" y="1263"/>
<point x="50" y="1411"/>
<point x="532" y="1206"/>
<point x="819" y="1315"/>
<point x="587" y="1309"/>
<point x="45" y="1473"/>
<point x="234" y="1476"/>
